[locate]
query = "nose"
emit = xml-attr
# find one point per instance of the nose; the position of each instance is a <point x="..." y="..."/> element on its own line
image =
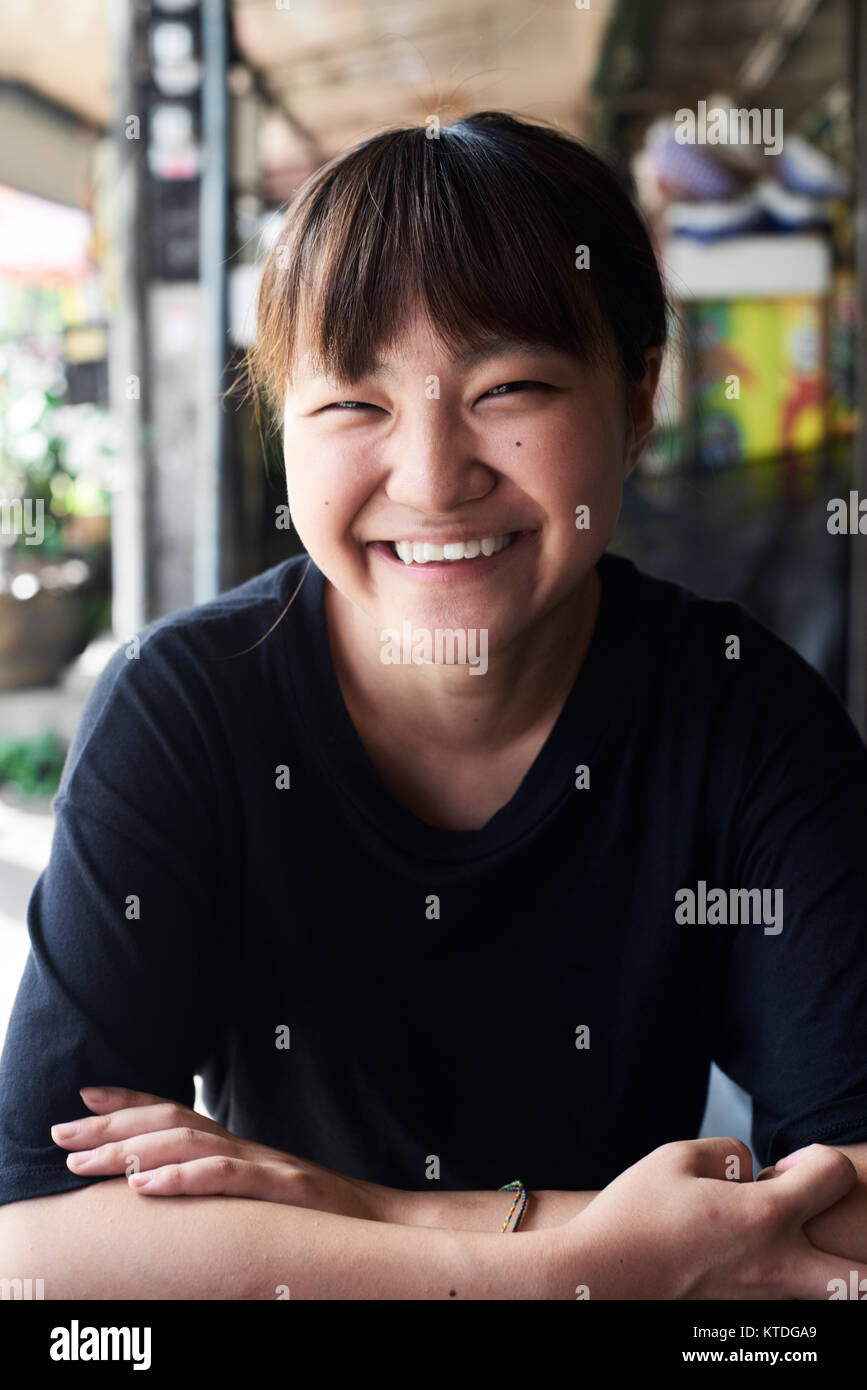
<point x="433" y="467"/>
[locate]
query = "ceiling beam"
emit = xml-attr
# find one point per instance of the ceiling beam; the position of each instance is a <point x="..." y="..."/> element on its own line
<point x="772" y="48"/>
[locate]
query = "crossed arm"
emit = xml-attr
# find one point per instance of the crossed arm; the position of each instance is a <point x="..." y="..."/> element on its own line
<point x="245" y="1221"/>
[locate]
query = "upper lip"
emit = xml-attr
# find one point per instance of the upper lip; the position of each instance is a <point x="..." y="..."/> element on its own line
<point x="452" y="537"/>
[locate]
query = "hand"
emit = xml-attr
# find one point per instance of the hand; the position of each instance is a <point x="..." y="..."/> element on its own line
<point x="168" y="1150"/>
<point x="674" y="1227"/>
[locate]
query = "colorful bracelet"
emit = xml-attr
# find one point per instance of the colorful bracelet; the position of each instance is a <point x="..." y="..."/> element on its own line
<point x="520" y="1192"/>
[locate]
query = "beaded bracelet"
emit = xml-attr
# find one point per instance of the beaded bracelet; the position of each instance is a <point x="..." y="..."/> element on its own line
<point x="520" y="1192"/>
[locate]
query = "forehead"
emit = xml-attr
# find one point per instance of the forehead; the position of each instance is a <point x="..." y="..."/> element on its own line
<point x="471" y="354"/>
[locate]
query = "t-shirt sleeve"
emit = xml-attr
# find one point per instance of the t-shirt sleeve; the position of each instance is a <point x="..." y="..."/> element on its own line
<point x="124" y="922"/>
<point x="793" y="1023"/>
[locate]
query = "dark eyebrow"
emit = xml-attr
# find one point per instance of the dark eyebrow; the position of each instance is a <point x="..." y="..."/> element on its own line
<point x="473" y="356"/>
<point x="498" y="347"/>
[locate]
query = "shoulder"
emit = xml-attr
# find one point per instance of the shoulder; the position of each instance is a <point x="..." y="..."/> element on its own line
<point x="714" y="655"/>
<point x="164" y="689"/>
<point x="671" y="612"/>
<point x="236" y="614"/>
<point x="691" y="629"/>
<point x="231" y="621"/>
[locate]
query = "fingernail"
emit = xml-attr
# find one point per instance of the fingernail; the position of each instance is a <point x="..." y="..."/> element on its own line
<point x="139" y="1179"/>
<point x="81" y="1159"/>
<point x="65" y="1131"/>
<point x="94" y="1092"/>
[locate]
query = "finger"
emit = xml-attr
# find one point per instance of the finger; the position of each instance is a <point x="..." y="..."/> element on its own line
<point x="124" y="1124"/>
<point x="214" y="1176"/>
<point x="144" y="1151"/>
<point x="104" y="1098"/>
<point x="819" y="1179"/>
<point x="817" y="1275"/>
<point x="783" y="1164"/>
<point x="719" y="1158"/>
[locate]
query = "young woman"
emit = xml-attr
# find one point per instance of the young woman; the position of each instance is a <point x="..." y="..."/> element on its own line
<point x="452" y="852"/>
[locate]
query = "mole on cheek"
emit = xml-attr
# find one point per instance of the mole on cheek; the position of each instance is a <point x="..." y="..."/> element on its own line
<point x="517" y="443"/>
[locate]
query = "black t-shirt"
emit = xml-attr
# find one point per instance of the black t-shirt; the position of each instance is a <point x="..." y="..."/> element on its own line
<point x="233" y="891"/>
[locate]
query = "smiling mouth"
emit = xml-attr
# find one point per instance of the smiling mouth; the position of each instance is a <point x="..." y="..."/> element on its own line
<point x="426" y="552"/>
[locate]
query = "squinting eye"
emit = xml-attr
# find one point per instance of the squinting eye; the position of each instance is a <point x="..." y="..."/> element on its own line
<point x="496" y="390"/>
<point x="348" y="405"/>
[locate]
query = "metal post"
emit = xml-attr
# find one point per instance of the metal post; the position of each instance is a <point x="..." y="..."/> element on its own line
<point x="128" y="345"/>
<point x="212" y="274"/>
<point x="857" y="674"/>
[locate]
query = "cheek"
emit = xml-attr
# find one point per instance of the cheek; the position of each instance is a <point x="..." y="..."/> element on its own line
<point x="580" y="466"/>
<point x="325" y="495"/>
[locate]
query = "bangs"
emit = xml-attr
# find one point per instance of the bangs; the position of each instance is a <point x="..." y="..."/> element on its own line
<point x="479" y="229"/>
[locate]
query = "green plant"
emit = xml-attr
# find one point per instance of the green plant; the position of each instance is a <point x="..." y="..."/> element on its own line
<point x="33" y="765"/>
<point x="56" y="454"/>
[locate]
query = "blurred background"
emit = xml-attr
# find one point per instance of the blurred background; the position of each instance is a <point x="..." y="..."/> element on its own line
<point x="148" y="149"/>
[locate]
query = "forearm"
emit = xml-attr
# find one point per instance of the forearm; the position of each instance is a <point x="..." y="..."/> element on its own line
<point x="481" y="1211"/>
<point x="104" y="1241"/>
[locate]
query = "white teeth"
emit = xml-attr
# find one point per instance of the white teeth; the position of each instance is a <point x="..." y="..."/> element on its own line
<point x="417" y="553"/>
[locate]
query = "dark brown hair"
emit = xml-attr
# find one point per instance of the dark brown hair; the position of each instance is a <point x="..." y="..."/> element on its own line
<point x="480" y="227"/>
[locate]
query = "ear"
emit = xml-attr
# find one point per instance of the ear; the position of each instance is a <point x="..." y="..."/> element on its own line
<point x="640" y="408"/>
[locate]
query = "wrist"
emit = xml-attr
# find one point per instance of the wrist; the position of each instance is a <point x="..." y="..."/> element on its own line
<point x="574" y="1262"/>
<point x="458" y="1210"/>
<point x="396" y="1206"/>
<point x="548" y="1263"/>
<point x="475" y="1211"/>
<point x="549" y="1207"/>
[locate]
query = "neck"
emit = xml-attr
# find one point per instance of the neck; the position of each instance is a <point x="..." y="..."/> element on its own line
<point x="525" y="683"/>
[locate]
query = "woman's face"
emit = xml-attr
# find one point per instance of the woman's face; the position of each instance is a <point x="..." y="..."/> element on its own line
<point x="518" y="441"/>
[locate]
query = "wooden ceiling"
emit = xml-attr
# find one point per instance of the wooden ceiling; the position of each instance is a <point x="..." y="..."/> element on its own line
<point x="336" y="71"/>
<point x="63" y="50"/>
<point x="342" y="69"/>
